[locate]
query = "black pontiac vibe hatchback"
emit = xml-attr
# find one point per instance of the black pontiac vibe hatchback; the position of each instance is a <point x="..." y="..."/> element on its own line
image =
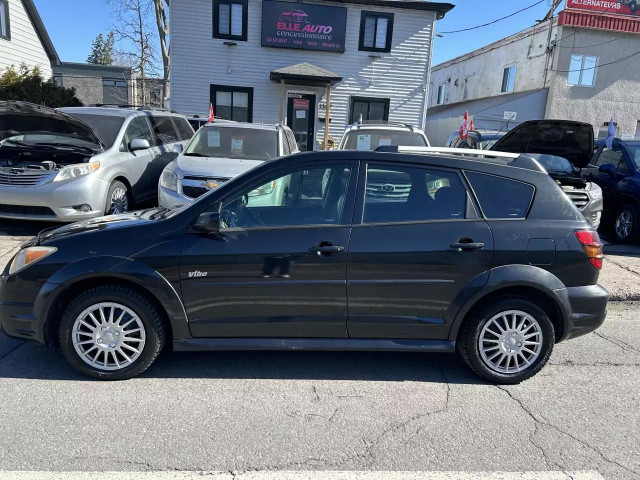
<point x="405" y="249"/>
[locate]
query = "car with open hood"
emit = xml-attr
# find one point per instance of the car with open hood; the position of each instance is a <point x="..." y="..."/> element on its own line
<point x="75" y="163"/>
<point x="218" y="152"/>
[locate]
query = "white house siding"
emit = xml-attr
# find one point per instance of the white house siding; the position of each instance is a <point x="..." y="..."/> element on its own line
<point x="25" y="46"/>
<point x="198" y="60"/>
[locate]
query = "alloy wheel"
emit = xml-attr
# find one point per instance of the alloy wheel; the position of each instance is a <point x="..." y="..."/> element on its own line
<point x="624" y="224"/>
<point x="510" y="341"/>
<point x="119" y="202"/>
<point x="108" y="336"/>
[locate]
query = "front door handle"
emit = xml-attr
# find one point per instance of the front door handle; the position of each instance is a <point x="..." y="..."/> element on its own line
<point x="325" y="249"/>
<point x="462" y="246"/>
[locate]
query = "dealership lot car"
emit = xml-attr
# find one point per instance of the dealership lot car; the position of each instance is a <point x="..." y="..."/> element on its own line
<point x="398" y="249"/>
<point x="218" y="152"/>
<point x="370" y="135"/>
<point x="82" y="162"/>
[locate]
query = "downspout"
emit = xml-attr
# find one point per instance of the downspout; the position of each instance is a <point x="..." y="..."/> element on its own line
<point x="427" y="89"/>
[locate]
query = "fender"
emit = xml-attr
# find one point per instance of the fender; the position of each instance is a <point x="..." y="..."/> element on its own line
<point x="516" y="276"/>
<point x="106" y="267"/>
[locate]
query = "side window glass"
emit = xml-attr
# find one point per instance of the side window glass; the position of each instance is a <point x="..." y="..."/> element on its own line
<point x="139" y="128"/>
<point x="164" y="129"/>
<point x="184" y="129"/>
<point x="314" y="196"/>
<point x="501" y="197"/>
<point x="615" y="157"/>
<point x="399" y="194"/>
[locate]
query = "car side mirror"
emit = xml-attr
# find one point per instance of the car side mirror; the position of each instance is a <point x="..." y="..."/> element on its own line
<point x="208" y="222"/>
<point x="608" y="168"/>
<point x="178" y="148"/>
<point x="139" y="144"/>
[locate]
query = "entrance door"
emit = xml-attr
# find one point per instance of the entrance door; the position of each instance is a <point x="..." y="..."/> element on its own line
<point x="301" y="112"/>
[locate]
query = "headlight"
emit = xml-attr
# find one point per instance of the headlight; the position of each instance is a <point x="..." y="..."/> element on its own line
<point x="74" y="171"/>
<point x="596" y="192"/>
<point x="28" y="256"/>
<point x="263" y="190"/>
<point x="169" y="180"/>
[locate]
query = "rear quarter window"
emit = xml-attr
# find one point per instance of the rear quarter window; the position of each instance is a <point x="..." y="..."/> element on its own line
<point x="184" y="129"/>
<point x="500" y="197"/>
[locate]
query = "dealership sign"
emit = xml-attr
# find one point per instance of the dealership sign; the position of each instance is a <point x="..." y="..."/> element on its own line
<point x="302" y="25"/>
<point x="620" y="7"/>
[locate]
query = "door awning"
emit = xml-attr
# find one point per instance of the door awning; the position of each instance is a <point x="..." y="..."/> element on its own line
<point x="305" y="74"/>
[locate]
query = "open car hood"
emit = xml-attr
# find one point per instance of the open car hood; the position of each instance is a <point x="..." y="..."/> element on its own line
<point x="18" y="118"/>
<point x="563" y="138"/>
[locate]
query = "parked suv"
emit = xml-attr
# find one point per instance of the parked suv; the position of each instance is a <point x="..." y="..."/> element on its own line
<point x="369" y="135"/>
<point x="617" y="171"/>
<point x="485" y="256"/>
<point x="218" y="152"/>
<point x="76" y="163"/>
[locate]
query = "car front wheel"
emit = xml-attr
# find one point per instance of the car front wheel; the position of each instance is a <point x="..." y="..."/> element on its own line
<point x="507" y="341"/>
<point x="111" y="333"/>
<point x="118" y="199"/>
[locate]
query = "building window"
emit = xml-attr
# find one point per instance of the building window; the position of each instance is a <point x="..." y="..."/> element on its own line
<point x="376" y="30"/>
<point x="230" y="19"/>
<point x="57" y="81"/>
<point x="232" y="103"/>
<point x="508" y="79"/>
<point x="4" y="20"/>
<point x="582" y="70"/>
<point x="442" y="88"/>
<point x="373" y="109"/>
<point x="115" y="92"/>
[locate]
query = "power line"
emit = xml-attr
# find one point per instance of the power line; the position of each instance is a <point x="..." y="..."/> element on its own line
<point x="495" y="21"/>
<point x="587" y="46"/>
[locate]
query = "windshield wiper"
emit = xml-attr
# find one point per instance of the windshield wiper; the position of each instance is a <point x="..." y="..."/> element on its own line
<point x="14" y="142"/>
<point x="67" y="145"/>
<point x="195" y="154"/>
<point x="162" y="211"/>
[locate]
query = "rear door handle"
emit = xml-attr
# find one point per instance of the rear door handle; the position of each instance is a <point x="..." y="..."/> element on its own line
<point x="322" y="249"/>
<point x="461" y="246"/>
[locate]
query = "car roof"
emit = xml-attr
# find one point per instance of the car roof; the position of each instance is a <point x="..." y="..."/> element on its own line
<point x="116" y="112"/>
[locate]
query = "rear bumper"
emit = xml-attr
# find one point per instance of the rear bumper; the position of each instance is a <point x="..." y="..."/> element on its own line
<point x="586" y="309"/>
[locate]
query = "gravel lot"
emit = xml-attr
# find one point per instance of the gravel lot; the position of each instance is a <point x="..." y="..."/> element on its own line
<point x="239" y="412"/>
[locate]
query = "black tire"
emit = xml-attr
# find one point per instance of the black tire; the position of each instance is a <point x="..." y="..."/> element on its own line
<point x="468" y="339"/>
<point x="628" y="235"/>
<point x="110" y="204"/>
<point x="148" y="313"/>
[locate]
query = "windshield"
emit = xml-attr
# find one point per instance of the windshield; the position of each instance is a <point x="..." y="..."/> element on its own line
<point x="372" y="139"/>
<point x="105" y="126"/>
<point x="553" y="163"/>
<point x="234" y="142"/>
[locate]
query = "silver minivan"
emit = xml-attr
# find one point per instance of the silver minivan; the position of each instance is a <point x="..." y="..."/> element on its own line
<point x="75" y="163"/>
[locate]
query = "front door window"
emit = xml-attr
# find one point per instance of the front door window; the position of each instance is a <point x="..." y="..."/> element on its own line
<point x="301" y="112"/>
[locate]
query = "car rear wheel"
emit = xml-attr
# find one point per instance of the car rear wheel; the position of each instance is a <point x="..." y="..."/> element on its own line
<point x="507" y="341"/>
<point x="627" y="226"/>
<point x="111" y="333"/>
<point x="118" y="199"/>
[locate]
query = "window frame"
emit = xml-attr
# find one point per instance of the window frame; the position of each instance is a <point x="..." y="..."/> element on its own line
<point x="364" y="14"/>
<point x="506" y="75"/>
<point x="353" y="99"/>
<point x="4" y="4"/>
<point x="471" y="207"/>
<point x="216" y="14"/>
<point x="582" y="68"/>
<point x="442" y="86"/>
<point x="214" y="88"/>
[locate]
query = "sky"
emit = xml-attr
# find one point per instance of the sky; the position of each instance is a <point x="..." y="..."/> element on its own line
<point x="73" y="24"/>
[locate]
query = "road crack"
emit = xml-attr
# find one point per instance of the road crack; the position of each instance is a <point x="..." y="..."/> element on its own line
<point x="626" y="347"/>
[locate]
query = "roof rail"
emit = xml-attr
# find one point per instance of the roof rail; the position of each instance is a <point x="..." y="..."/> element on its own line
<point x="384" y="122"/>
<point x="511" y="159"/>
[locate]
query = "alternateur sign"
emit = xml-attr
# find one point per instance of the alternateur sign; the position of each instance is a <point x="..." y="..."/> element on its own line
<point x="620" y="7"/>
<point x="304" y="26"/>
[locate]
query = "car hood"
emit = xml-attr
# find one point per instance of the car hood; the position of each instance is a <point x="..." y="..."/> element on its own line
<point x="563" y="138"/>
<point x="100" y="223"/>
<point x="215" y="166"/>
<point x="17" y="118"/>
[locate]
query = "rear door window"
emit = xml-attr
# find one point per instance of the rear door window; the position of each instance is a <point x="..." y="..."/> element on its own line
<point x="405" y="194"/>
<point x="499" y="197"/>
<point x="184" y="129"/>
<point x="164" y="130"/>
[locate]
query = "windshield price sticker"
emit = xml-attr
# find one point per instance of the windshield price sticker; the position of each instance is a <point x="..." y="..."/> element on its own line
<point x="364" y="142"/>
<point x="213" y="138"/>
<point x="236" y="144"/>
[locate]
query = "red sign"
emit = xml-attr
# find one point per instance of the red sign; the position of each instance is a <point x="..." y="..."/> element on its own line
<point x="613" y="7"/>
<point x="300" y="104"/>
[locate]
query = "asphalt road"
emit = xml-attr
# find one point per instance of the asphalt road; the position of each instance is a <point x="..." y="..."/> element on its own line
<point x="238" y="412"/>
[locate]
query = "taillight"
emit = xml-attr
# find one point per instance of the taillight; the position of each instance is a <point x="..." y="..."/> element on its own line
<point x="592" y="246"/>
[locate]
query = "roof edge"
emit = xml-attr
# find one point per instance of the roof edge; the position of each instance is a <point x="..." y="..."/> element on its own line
<point x="41" y="31"/>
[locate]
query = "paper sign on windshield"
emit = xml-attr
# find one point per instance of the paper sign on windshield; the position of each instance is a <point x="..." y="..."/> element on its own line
<point x="384" y="141"/>
<point x="364" y="142"/>
<point x="213" y="138"/>
<point x="236" y="144"/>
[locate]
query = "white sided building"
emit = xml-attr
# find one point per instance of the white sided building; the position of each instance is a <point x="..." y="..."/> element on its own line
<point x="273" y="61"/>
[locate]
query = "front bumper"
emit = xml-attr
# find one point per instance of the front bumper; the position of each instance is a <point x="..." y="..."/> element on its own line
<point x="169" y="198"/>
<point x="592" y="211"/>
<point x="587" y="309"/>
<point x="17" y="309"/>
<point x="55" y="201"/>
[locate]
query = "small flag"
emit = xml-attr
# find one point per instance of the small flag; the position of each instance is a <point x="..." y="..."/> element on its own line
<point x="471" y="126"/>
<point x="611" y="133"/>
<point x="210" y="113"/>
<point x="464" y="128"/>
